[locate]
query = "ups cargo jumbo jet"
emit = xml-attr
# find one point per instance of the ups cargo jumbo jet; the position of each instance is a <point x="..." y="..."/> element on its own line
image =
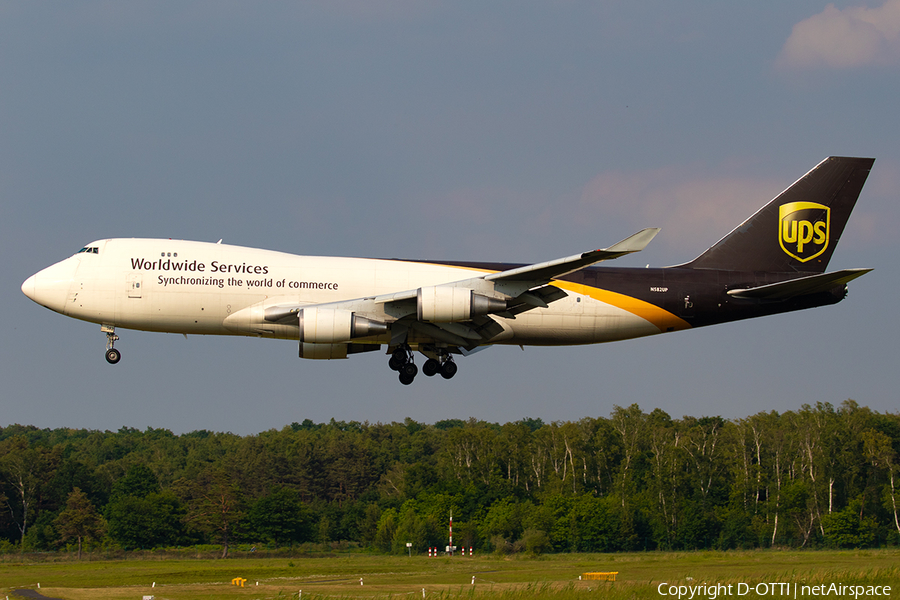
<point x="774" y="262"/>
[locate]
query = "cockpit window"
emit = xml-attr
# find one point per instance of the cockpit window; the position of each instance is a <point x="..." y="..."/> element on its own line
<point x="92" y="250"/>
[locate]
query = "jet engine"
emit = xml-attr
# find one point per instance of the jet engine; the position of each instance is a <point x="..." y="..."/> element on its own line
<point x="328" y="325"/>
<point x="446" y="304"/>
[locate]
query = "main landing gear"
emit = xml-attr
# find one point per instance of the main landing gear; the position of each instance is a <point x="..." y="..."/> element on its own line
<point x="446" y="366"/>
<point x="402" y="361"/>
<point x="112" y="355"/>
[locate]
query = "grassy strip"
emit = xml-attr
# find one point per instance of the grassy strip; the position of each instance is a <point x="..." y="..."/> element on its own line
<point x="395" y="577"/>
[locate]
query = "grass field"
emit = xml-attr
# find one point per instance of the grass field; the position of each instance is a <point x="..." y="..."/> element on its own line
<point x="554" y="576"/>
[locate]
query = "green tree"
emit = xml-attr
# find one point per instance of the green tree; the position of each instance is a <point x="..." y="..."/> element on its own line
<point x="79" y="520"/>
<point x="214" y="504"/>
<point x="71" y="474"/>
<point x="881" y="454"/>
<point x="368" y="525"/>
<point x="281" y="517"/>
<point x="384" y="534"/>
<point x="503" y="520"/>
<point x="665" y="441"/>
<point x="511" y="450"/>
<point x="146" y="522"/>
<point x="849" y="528"/>
<point x="735" y="531"/>
<point x="138" y="481"/>
<point x="25" y="468"/>
<point x="630" y="424"/>
<point x="595" y="524"/>
<point x="536" y="541"/>
<point x="411" y="528"/>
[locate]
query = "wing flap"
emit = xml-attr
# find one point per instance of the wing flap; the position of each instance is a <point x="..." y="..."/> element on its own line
<point x="536" y="298"/>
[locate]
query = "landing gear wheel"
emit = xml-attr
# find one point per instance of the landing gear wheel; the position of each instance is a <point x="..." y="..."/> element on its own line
<point x="113" y="356"/>
<point x="402" y="362"/>
<point x="431" y="367"/>
<point x="448" y="369"/>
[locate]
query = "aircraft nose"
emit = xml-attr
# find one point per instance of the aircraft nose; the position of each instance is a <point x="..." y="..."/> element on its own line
<point x="50" y="287"/>
<point x="28" y="287"/>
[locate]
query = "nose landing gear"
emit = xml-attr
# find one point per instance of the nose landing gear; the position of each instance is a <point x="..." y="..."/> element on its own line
<point x="112" y="355"/>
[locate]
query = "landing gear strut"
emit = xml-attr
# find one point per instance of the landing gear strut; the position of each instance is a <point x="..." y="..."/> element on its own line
<point x="112" y="355"/>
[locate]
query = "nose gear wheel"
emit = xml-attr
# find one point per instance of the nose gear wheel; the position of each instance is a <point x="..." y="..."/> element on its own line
<point x="112" y="355"/>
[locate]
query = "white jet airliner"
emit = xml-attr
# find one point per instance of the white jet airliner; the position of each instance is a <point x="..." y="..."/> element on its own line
<point x="774" y="262"/>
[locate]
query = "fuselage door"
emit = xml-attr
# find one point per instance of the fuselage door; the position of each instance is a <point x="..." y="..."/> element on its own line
<point x="134" y="285"/>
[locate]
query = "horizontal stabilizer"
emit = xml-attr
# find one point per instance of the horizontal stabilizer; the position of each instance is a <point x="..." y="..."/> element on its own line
<point x="799" y="287"/>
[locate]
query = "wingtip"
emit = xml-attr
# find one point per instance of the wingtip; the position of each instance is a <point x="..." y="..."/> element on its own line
<point x="636" y="242"/>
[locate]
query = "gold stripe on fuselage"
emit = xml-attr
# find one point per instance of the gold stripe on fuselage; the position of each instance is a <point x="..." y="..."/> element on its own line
<point x="661" y="318"/>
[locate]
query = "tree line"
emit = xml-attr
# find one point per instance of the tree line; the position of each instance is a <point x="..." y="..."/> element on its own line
<point x="819" y="476"/>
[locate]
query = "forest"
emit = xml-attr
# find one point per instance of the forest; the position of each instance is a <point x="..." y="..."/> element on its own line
<point x="815" y="477"/>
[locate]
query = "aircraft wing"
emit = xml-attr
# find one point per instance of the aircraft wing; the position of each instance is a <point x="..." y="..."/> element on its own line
<point x="514" y="282"/>
<point x="799" y="287"/>
<point x="542" y="273"/>
<point x="504" y="294"/>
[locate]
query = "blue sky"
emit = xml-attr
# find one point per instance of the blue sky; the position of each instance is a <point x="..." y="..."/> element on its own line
<point x="508" y="131"/>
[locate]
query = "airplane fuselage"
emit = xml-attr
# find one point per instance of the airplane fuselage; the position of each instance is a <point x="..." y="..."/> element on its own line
<point x="204" y="288"/>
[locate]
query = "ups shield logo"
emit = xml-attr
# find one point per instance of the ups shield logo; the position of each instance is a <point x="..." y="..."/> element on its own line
<point x="803" y="229"/>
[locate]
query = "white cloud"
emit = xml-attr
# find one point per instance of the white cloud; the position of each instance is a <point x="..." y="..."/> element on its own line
<point x="853" y="37"/>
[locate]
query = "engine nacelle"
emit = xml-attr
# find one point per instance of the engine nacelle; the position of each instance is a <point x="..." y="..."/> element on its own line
<point x="323" y="351"/>
<point x="446" y="304"/>
<point x="332" y="351"/>
<point x="328" y="325"/>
